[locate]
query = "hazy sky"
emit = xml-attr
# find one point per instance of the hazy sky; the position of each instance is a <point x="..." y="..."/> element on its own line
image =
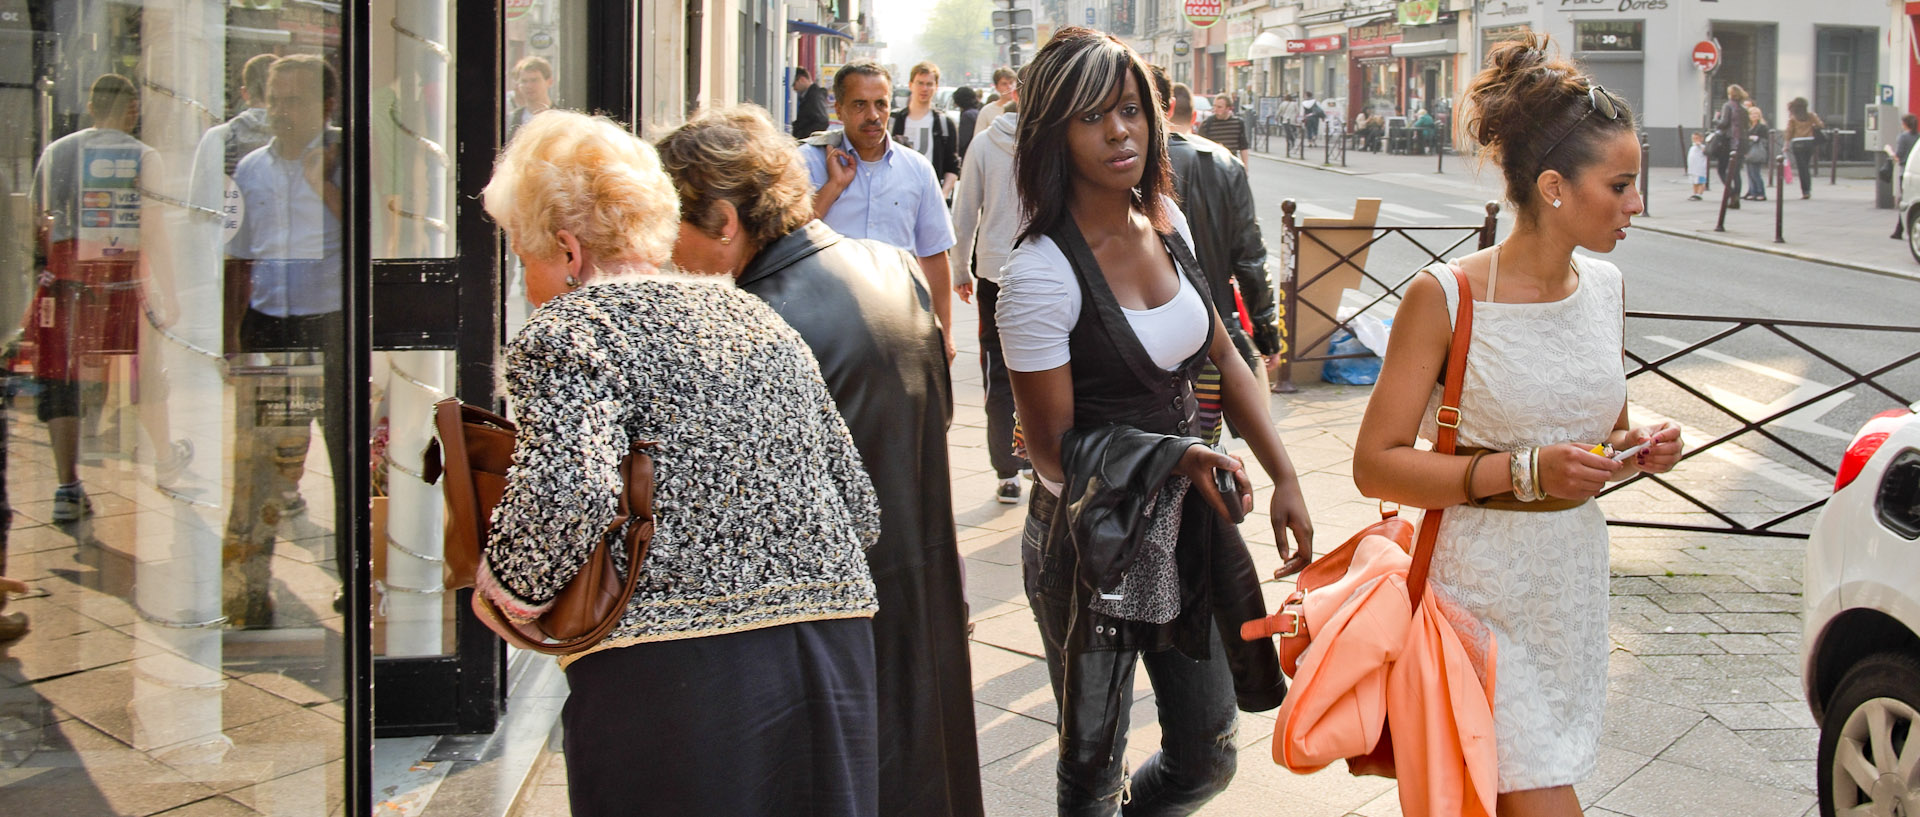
<point x="899" y="23"/>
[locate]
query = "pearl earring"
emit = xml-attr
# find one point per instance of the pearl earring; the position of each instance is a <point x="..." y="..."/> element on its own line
<point x="572" y="282"/>
<point x="1556" y="203"/>
<point x="726" y="239"/>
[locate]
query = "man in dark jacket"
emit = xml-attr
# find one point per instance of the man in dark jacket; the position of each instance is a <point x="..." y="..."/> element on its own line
<point x="1218" y="202"/>
<point x="884" y="360"/>
<point x="810" y="105"/>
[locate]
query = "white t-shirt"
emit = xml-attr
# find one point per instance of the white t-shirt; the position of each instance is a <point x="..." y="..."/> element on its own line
<point x="919" y="133"/>
<point x="1040" y="303"/>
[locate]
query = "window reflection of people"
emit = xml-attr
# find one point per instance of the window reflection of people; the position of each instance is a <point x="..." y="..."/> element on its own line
<point x="284" y="282"/>
<point x="224" y="145"/>
<point x="752" y="619"/>
<point x="532" y="90"/>
<point x="87" y="191"/>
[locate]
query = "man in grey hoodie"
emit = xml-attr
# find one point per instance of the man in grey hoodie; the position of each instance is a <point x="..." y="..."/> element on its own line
<point x="986" y="215"/>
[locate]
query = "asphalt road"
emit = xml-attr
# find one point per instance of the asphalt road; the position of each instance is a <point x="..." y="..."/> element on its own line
<point x="1754" y="371"/>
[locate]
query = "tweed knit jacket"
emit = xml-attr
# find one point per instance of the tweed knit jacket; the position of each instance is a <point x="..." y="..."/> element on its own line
<point x="762" y="508"/>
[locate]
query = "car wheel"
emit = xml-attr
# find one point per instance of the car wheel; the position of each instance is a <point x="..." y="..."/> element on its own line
<point x="1870" y="740"/>
<point x="1913" y="241"/>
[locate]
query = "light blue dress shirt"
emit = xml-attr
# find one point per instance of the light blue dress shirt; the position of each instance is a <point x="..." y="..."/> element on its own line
<point x="896" y="199"/>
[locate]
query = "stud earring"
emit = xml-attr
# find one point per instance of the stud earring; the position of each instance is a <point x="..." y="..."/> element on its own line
<point x="726" y="239"/>
<point x="1556" y="204"/>
<point x="572" y="282"/>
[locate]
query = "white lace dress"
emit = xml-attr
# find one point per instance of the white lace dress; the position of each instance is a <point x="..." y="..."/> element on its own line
<point x="1538" y="374"/>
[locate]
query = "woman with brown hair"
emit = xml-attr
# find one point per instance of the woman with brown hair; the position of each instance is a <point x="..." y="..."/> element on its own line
<point x="1802" y="125"/>
<point x="746" y="210"/>
<point x="1521" y="551"/>
<point x="1106" y="324"/>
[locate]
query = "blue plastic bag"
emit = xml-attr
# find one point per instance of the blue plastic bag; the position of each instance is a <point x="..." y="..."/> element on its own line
<point x="1358" y="371"/>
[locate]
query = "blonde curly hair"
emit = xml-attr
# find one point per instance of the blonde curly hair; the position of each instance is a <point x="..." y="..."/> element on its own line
<point x="588" y="176"/>
<point x="736" y="154"/>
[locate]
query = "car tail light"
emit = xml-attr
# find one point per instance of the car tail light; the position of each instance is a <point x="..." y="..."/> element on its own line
<point x="1869" y="440"/>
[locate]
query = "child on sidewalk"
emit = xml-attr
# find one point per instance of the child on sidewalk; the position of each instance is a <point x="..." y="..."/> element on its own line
<point x="1697" y="166"/>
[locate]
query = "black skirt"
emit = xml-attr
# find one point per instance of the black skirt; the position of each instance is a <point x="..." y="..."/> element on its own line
<point x="770" y="722"/>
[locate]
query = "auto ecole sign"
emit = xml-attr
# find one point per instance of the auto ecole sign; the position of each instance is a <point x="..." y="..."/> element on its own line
<point x="1202" y="13"/>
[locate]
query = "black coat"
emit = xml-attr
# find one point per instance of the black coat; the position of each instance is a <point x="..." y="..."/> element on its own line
<point x="1218" y="202"/>
<point x="866" y="312"/>
<point x="810" y="112"/>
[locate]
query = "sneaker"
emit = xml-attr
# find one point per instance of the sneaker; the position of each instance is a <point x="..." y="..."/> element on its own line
<point x="70" y="503"/>
<point x="168" y="468"/>
<point x="1694" y="197"/>
<point x="1009" y="492"/>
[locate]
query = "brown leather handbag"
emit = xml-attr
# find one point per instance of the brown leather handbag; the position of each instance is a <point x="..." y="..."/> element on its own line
<point x="469" y="457"/>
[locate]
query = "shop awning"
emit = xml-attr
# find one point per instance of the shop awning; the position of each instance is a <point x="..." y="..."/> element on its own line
<point x="804" y="27"/>
<point x="1426" y="49"/>
<point x="1268" y="44"/>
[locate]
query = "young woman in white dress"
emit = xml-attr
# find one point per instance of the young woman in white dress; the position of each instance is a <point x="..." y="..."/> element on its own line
<point x="1544" y="385"/>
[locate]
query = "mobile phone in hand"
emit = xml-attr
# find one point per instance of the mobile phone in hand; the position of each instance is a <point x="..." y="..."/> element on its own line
<point x="1229" y="489"/>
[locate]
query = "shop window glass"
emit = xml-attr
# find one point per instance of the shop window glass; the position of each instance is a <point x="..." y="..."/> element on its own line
<point x="172" y="186"/>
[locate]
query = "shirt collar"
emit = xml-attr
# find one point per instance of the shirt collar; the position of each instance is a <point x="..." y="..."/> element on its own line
<point x="847" y="145"/>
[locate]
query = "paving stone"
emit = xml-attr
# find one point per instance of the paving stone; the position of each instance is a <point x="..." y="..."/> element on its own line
<point x="1612" y="768"/>
<point x="1792" y="687"/>
<point x="1750" y="666"/>
<point x="1750" y="716"/>
<point x="1702" y="584"/>
<point x="1709" y="746"/>
<point x="1757" y="602"/>
<point x="1795" y="712"/>
<point x="1758" y="622"/>
<point x="1685" y="603"/>
<point x="1668" y="644"/>
<point x="1634" y="585"/>
<point x="1002" y="733"/>
<point x="1789" y="642"/>
<point x="1784" y="745"/>
<point x="1644" y="727"/>
<point x="1747" y="644"/>
<point x="1772" y="583"/>
<point x="1684" y="666"/>
<point x="1701" y="691"/>
<point x="1665" y="789"/>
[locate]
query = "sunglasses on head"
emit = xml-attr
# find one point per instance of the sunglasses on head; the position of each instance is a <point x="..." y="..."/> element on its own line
<point x="1599" y="100"/>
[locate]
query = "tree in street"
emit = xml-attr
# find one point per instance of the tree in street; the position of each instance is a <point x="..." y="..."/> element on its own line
<point x="956" y="39"/>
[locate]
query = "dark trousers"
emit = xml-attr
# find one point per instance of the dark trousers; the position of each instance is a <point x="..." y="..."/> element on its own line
<point x="325" y="333"/>
<point x="1730" y="175"/>
<point x="774" y="722"/>
<point x="997" y="384"/>
<point x="1803" y="164"/>
<point x="1194" y="701"/>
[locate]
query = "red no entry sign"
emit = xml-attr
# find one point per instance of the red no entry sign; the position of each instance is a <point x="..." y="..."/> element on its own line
<point x="1706" y="55"/>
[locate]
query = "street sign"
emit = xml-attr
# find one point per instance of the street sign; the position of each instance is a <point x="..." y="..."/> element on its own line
<point x="1706" y="54"/>
<point x="1089" y="16"/>
<point x="1886" y="95"/>
<point x="1202" y="13"/>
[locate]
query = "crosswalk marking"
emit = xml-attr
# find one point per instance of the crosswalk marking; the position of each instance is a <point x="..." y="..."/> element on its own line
<point x="1310" y="210"/>
<point x="1409" y="214"/>
<point x="1476" y="209"/>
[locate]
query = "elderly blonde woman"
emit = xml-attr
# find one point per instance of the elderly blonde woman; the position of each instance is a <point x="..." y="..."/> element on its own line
<point x="740" y="680"/>
<point x="746" y="208"/>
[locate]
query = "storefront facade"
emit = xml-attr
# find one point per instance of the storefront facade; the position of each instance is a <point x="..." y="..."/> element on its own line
<point x="1828" y="53"/>
<point x="1374" y="83"/>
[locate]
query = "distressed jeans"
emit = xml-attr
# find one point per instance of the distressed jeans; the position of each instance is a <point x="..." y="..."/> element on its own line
<point x="1196" y="711"/>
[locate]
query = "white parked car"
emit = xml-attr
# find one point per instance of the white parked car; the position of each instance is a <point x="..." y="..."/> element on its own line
<point x="1861" y="652"/>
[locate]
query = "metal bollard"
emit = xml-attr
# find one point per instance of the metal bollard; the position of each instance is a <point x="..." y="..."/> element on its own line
<point x="1646" y="190"/>
<point x="1779" y="190"/>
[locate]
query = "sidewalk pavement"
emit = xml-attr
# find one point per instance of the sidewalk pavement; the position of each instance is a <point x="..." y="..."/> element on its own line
<point x="1704" y="712"/>
<point x="1839" y="225"/>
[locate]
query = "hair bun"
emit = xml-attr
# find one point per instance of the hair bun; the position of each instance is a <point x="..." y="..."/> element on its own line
<point x="1523" y="84"/>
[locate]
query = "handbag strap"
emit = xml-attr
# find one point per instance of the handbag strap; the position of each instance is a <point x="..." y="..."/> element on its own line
<point x="1449" y="432"/>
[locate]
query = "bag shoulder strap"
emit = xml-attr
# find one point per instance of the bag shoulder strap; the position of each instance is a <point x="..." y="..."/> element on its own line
<point x="1447" y="417"/>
